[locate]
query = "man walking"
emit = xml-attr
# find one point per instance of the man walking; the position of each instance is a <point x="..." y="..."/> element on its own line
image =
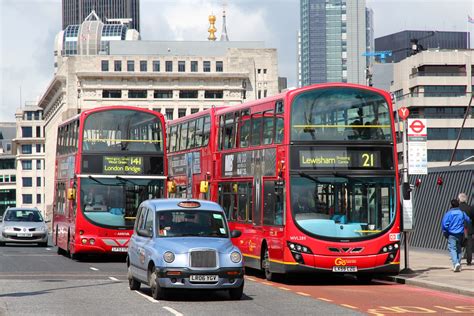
<point x="469" y="210"/>
<point x="452" y="226"/>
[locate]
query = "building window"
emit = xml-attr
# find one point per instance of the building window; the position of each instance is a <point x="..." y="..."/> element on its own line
<point x="117" y="65"/>
<point x="137" y="94"/>
<point x="26" y="149"/>
<point x="156" y="65"/>
<point x="188" y="94"/>
<point x="7" y="178"/>
<point x="38" y="148"/>
<point x="130" y="65"/>
<point x="259" y="71"/>
<point x="26" y="132"/>
<point x="7" y="164"/>
<point x="194" y="110"/>
<point x="27" y="182"/>
<point x="107" y="94"/>
<point x="158" y="110"/>
<point x="206" y="66"/>
<point x="37" y="115"/>
<point x="213" y="94"/>
<point x="38" y="181"/>
<point x="38" y="131"/>
<point x="264" y="71"/>
<point x="163" y="94"/>
<point x="169" y="114"/>
<point x="181" y="66"/>
<point x="38" y="198"/>
<point x="264" y="93"/>
<point x="259" y="94"/>
<point x="27" y="198"/>
<point x="12" y="178"/>
<point x="181" y="112"/>
<point x="219" y="66"/>
<point x="194" y="66"/>
<point x="105" y="65"/>
<point x="445" y="91"/>
<point x="143" y="66"/>
<point x="38" y="165"/>
<point x="169" y="66"/>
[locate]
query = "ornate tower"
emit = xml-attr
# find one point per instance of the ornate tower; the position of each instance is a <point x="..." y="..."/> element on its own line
<point x="212" y="29"/>
<point x="224" y="36"/>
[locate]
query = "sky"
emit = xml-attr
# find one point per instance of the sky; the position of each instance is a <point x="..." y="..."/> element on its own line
<point x="28" y="29"/>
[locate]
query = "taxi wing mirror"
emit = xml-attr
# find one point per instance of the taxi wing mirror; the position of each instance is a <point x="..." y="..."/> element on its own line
<point x="145" y="233"/>
<point x="71" y="194"/>
<point x="235" y="234"/>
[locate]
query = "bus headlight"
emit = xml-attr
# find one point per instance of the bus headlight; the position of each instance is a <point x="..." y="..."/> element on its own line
<point x="168" y="257"/>
<point x="235" y="257"/>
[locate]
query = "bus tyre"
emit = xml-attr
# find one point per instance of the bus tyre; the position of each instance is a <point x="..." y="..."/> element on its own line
<point x="364" y="279"/>
<point x="266" y="266"/>
<point x="236" y="293"/>
<point x="132" y="283"/>
<point x="156" y="291"/>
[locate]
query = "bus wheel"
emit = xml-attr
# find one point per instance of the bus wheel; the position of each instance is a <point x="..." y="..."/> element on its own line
<point x="266" y="265"/>
<point x="156" y="291"/>
<point x="364" y="279"/>
<point x="132" y="283"/>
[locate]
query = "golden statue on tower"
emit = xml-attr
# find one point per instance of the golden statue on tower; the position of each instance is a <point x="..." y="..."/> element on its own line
<point x="212" y="29"/>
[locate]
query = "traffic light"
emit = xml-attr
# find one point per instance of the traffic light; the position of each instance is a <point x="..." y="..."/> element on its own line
<point x="439" y="181"/>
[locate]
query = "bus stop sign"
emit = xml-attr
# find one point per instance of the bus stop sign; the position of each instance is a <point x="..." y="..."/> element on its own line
<point x="403" y="113"/>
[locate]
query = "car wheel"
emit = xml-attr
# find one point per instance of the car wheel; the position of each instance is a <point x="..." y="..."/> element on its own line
<point x="132" y="283"/>
<point x="236" y="294"/>
<point x="156" y="291"/>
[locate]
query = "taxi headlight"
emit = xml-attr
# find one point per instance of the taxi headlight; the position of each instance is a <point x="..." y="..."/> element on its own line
<point x="235" y="257"/>
<point x="168" y="257"/>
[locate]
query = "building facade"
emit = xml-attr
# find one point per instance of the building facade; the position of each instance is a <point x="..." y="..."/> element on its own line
<point x="401" y="43"/>
<point x="437" y="85"/>
<point x="7" y="167"/>
<point x="174" y="78"/>
<point x="29" y="151"/>
<point x="75" y="11"/>
<point x="333" y="39"/>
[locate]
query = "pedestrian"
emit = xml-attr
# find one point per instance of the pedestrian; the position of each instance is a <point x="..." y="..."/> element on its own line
<point x="452" y="226"/>
<point x="469" y="210"/>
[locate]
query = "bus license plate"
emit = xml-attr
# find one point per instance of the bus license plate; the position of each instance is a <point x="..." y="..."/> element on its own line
<point x="344" y="269"/>
<point x="119" y="249"/>
<point x="24" y="235"/>
<point x="203" y="278"/>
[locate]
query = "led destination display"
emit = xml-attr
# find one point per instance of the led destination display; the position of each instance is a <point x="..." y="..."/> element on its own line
<point x="123" y="165"/>
<point x="339" y="158"/>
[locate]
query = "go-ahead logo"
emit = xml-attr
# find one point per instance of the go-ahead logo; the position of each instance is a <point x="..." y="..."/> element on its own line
<point x="343" y="262"/>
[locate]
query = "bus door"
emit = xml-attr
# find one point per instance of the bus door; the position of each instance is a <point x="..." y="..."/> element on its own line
<point x="273" y="206"/>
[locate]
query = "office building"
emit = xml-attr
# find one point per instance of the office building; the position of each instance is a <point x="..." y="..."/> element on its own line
<point x="7" y="167"/>
<point x="333" y="39"/>
<point x="401" y="43"/>
<point x="30" y="156"/>
<point x="111" y="11"/>
<point x="437" y="85"/>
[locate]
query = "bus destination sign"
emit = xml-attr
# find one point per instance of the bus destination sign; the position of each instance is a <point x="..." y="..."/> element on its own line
<point x="123" y="165"/>
<point x="346" y="159"/>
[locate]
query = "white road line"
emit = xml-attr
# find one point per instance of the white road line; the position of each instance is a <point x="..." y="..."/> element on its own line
<point x="172" y="311"/>
<point x="93" y="269"/>
<point x="349" y="306"/>
<point x="48" y="248"/>
<point x="249" y="278"/>
<point x="114" y="279"/>
<point x="324" y="299"/>
<point x="284" y="288"/>
<point x="302" y="293"/>
<point x="151" y="299"/>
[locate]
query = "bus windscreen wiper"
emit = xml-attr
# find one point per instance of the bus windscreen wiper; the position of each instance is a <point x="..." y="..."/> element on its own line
<point x="125" y="180"/>
<point x="95" y="180"/>
<point x="307" y="176"/>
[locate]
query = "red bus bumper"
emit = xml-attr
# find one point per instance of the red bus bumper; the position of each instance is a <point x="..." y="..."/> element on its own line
<point x="101" y="245"/>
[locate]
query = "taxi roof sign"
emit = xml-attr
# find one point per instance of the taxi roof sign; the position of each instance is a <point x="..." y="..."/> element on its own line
<point x="189" y="204"/>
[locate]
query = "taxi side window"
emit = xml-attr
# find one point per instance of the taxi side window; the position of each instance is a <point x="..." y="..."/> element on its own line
<point x="149" y="221"/>
<point x="140" y="219"/>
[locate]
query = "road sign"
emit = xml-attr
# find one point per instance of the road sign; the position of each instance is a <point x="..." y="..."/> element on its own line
<point x="403" y="113"/>
<point x="417" y="149"/>
<point x="417" y="127"/>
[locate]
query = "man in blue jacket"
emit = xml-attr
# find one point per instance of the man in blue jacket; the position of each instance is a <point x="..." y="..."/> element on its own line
<point x="453" y="229"/>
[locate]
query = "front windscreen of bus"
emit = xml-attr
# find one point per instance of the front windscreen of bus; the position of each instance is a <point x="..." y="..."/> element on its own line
<point x="122" y="130"/>
<point x="342" y="114"/>
<point x="342" y="207"/>
<point x="114" y="202"/>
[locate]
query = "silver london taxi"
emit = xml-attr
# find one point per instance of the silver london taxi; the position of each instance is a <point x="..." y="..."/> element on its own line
<point x="184" y="244"/>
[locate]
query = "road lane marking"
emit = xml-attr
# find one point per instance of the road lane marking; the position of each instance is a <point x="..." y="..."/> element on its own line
<point x="267" y="283"/>
<point x="93" y="269"/>
<point x="48" y="248"/>
<point x="324" y="299"/>
<point x="302" y="293"/>
<point x="172" y="311"/>
<point x="349" y="306"/>
<point x="114" y="279"/>
<point x="250" y="279"/>
<point x="284" y="288"/>
<point x="151" y="299"/>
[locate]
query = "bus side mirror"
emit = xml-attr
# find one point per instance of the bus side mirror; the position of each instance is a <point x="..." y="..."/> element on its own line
<point x="171" y="187"/>
<point x="204" y="187"/>
<point x="71" y="194"/>
<point x="406" y="189"/>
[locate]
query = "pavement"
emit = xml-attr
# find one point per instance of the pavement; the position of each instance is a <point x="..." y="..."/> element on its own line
<point x="433" y="269"/>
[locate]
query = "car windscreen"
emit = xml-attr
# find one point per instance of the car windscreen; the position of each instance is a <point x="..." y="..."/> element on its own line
<point x="23" y="216"/>
<point x="189" y="223"/>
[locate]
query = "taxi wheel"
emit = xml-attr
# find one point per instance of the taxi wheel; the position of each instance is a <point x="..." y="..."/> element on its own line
<point x="156" y="291"/>
<point x="132" y="283"/>
<point x="236" y="294"/>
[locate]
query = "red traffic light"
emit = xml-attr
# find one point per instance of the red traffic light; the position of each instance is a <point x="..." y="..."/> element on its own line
<point x="417" y="182"/>
<point x="439" y="181"/>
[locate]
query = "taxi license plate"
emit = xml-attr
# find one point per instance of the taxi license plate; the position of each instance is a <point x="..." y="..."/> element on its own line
<point x="344" y="269"/>
<point x="203" y="278"/>
<point x="24" y="235"/>
<point x="119" y="249"/>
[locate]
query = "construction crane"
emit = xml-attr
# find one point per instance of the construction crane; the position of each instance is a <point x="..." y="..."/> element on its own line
<point x="381" y="54"/>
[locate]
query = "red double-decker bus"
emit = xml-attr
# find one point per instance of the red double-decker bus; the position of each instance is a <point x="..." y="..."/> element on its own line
<point x="108" y="160"/>
<point x="310" y="178"/>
